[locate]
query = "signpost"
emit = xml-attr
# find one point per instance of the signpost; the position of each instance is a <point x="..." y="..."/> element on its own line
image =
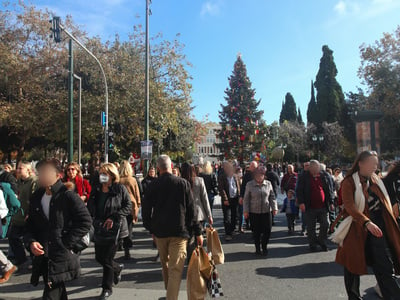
<point x="146" y="148"/>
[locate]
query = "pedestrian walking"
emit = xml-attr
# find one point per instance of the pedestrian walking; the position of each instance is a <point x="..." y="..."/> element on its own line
<point x="109" y="205"/>
<point x="168" y="213"/>
<point x="211" y="182"/>
<point x="7" y="268"/>
<point x="289" y="180"/>
<point x="247" y="177"/>
<point x="27" y="185"/>
<point x="131" y="184"/>
<point x="57" y="220"/>
<point x="392" y="184"/>
<point x="229" y="190"/>
<point x="259" y="204"/>
<point x="291" y="210"/>
<point x="202" y="208"/>
<point x="315" y="197"/>
<point x="74" y="174"/>
<point x="368" y="233"/>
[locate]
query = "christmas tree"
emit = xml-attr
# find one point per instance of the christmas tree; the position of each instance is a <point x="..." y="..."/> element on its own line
<point x="242" y="128"/>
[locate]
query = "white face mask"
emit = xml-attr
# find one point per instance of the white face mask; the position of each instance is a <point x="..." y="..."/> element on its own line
<point x="103" y="178"/>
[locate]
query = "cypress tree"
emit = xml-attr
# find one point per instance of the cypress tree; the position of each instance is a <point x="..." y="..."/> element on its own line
<point x="312" y="110"/>
<point x="330" y="97"/>
<point x="289" y="110"/>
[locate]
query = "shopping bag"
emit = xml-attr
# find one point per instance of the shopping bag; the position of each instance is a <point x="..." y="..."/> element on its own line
<point x="214" y="285"/>
<point x="205" y="264"/>
<point x="214" y="246"/>
<point x="196" y="284"/>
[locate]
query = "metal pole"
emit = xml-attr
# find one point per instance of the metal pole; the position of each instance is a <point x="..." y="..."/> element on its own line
<point x="146" y="131"/>
<point x="79" y="120"/>
<point x="106" y="88"/>
<point x="70" y="102"/>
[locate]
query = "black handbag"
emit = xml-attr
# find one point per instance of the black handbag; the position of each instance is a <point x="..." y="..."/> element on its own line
<point x="104" y="236"/>
<point x="84" y="242"/>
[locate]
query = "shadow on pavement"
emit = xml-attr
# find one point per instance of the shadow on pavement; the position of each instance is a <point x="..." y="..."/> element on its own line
<point x="310" y="270"/>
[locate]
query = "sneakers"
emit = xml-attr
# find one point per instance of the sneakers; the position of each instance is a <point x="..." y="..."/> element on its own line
<point x="8" y="274"/>
<point x="105" y="295"/>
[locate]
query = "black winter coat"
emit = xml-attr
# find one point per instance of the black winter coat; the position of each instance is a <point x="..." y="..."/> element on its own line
<point x="118" y="205"/>
<point x="68" y="222"/>
<point x="304" y="187"/>
<point x="168" y="209"/>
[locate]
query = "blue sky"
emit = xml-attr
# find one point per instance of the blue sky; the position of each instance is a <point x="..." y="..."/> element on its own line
<point x="280" y="41"/>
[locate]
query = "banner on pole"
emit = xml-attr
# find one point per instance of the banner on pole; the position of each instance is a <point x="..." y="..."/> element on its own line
<point x="146" y="148"/>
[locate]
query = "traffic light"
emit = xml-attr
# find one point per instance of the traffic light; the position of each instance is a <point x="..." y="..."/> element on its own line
<point x="111" y="141"/>
<point x="56" y="29"/>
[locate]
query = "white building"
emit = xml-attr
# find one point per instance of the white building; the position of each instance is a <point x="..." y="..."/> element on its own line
<point x="206" y="150"/>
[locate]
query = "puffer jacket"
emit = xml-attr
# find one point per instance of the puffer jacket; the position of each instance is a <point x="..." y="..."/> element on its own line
<point x="118" y="205"/>
<point x="69" y="220"/>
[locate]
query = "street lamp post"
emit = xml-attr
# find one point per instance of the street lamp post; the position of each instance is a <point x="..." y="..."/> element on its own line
<point x="147" y="100"/>
<point x="57" y="28"/>
<point x="79" y="120"/>
<point x="318" y="139"/>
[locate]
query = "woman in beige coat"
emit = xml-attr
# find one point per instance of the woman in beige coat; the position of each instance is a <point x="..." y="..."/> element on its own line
<point x="127" y="179"/>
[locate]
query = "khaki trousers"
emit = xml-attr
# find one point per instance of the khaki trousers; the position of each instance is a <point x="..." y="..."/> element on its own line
<point x="172" y="252"/>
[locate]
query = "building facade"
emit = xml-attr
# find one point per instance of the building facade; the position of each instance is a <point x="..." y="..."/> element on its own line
<point x="206" y="150"/>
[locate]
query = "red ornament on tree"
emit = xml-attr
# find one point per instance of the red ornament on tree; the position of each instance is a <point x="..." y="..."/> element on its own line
<point x="242" y="138"/>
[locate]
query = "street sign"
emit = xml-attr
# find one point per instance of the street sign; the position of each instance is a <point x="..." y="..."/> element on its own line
<point x="103" y="118"/>
<point x="146" y="148"/>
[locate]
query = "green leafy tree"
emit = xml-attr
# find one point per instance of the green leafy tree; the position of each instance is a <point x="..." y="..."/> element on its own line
<point x="380" y="71"/>
<point x="242" y="128"/>
<point x="330" y="97"/>
<point x="33" y="87"/>
<point x="289" y="110"/>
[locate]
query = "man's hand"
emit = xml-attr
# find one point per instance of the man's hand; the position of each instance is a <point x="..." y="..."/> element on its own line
<point x="199" y="240"/>
<point x="210" y="220"/>
<point x="246" y="215"/>
<point x="302" y="207"/>
<point x="83" y="198"/>
<point x="274" y="212"/>
<point x="241" y="201"/>
<point x="37" y="249"/>
<point x="374" y="229"/>
<point x="108" y="224"/>
<point x="226" y="203"/>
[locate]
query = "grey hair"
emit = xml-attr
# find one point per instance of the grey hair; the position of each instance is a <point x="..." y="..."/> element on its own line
<point x="164" y="162"/>
<point x="315" y="162"/>
<point x="323" y="167"/>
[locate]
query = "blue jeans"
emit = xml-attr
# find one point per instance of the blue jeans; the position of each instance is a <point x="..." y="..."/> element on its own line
<point x="211" y="198"/>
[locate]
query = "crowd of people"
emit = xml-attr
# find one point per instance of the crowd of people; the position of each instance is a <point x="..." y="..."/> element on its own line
<point x="47" y="211"/>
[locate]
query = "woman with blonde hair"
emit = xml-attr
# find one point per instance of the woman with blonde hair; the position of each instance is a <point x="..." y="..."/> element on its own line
<point x="211" y="182"/>
<point x="74" y="175"/>
<point x="109" y="204"/>
<point x="131" y="184"/>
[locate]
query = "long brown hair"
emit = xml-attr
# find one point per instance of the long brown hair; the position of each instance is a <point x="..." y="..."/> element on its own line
<point x="360" y="158"/>
<point x="188" y="172"/>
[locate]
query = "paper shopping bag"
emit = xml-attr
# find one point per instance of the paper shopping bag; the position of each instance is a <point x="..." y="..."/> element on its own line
<point x="196" y="284"/>
<point x="214" y="246"/>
